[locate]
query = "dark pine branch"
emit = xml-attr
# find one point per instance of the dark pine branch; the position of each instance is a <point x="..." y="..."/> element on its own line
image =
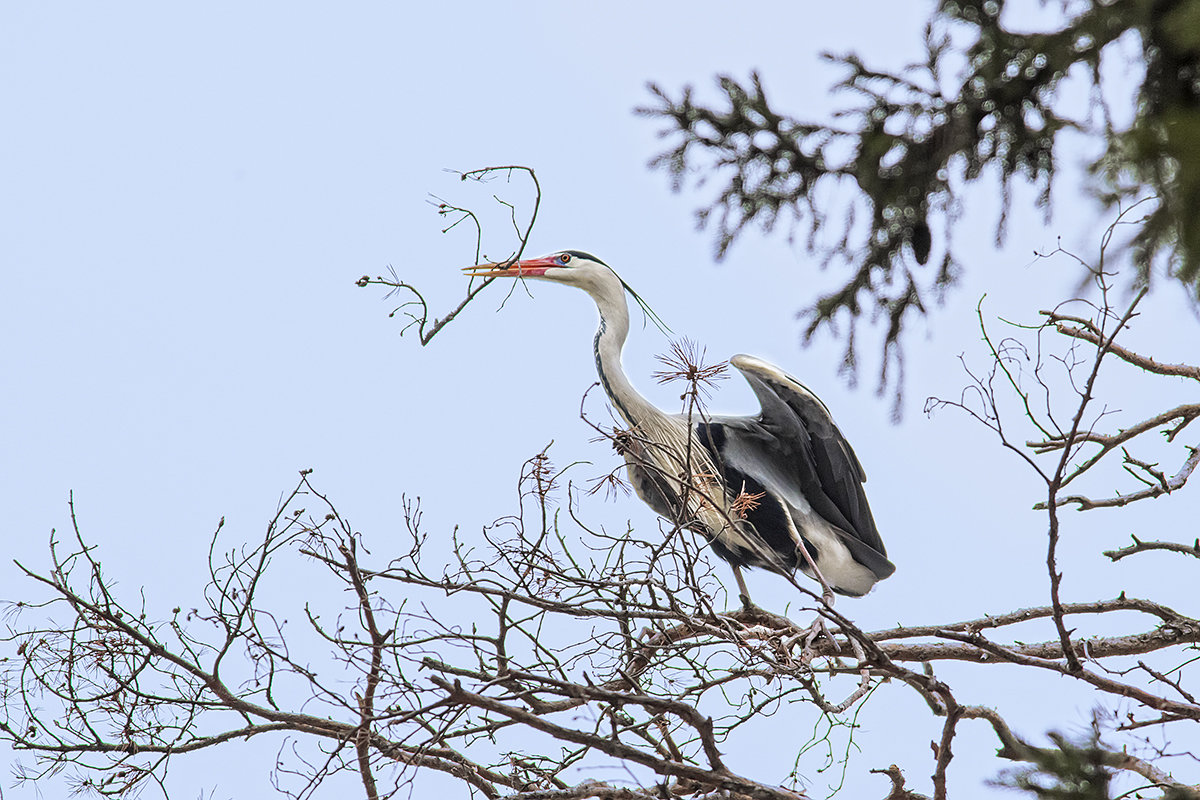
<point x="911" y="141"/>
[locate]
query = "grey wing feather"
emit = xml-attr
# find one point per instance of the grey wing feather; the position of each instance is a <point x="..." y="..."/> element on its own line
<point x="809" y="449"/>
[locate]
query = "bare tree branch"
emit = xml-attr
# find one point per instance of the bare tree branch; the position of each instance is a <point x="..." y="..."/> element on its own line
<point x="610" y="648"/>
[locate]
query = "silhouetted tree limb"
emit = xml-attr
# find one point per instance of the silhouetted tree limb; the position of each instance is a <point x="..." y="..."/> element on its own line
<point x="984" y="103"/>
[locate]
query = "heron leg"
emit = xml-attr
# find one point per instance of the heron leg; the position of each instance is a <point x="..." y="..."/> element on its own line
<point x="817" y="630"/>
<point x="827" y="594"/>
<point x="744" y="593"/>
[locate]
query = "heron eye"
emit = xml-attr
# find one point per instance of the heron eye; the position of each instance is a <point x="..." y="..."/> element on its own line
<point x="565" y="258"/>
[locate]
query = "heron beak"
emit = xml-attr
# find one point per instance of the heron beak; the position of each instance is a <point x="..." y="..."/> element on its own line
<point x="529" y="268"/>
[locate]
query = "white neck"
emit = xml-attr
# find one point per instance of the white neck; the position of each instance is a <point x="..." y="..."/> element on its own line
<point x="610" y="339"/>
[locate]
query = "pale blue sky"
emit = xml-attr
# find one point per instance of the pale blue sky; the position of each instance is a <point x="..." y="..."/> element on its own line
<point x="188" y="195"/>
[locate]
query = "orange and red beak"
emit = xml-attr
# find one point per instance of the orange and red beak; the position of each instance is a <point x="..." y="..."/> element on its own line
<point x="528" y="268"/>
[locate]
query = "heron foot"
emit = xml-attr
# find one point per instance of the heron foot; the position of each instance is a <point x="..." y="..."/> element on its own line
<point x="817" y="630"/>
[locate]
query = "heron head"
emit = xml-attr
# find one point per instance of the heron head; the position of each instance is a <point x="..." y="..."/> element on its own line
<point x="572" y="267"/>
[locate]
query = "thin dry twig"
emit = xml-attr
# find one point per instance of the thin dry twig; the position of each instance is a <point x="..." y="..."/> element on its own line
<point x="416" y="309"/>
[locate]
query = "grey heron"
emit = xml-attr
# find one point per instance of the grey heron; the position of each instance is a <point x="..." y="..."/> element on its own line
<point x="781" y="490"/>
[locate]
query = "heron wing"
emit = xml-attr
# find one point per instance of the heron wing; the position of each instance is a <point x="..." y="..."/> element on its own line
<point x="796" y="449"/>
